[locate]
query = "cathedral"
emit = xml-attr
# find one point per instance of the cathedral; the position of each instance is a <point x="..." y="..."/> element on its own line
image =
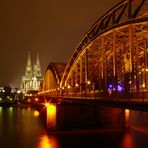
<point x="33" y="76"/>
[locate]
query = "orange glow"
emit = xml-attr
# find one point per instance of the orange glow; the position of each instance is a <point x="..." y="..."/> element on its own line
<point x="29" y="100"/>
<point x="46" y="104"/>
<point x="36" y="113"/>
<point x="127" y="141"/>
<point x="51" y="109"/>
<point x="36" y="99"/>
<point x="47" y="142"/>
<point x="127" y="116"/>
<point x="51" y="116"/>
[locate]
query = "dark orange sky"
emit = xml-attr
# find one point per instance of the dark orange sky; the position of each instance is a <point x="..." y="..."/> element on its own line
<point x="53" y="28"/>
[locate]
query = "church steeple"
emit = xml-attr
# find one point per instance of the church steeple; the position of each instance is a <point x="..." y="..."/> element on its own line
<point x="37" y="59"/>
<point x="37" y="67"/>
<point x="29" y="66"/>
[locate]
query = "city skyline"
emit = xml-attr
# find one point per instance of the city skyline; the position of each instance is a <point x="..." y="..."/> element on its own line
<point x="51" y="28"/>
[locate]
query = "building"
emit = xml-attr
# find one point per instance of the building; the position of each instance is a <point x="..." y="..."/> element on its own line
<point x="33" y="76"/>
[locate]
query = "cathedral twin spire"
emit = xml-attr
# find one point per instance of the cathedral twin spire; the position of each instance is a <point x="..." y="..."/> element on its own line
<point x="34" y="70"/>
<point x="33" y="77"/>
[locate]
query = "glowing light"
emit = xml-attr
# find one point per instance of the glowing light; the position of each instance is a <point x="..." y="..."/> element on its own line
<point x="143" y="85"/>
<point x="51" y="116"/>
<point x="68" y="86"/>
<point x="146" y="69"/>
<point x="46" y="104"/>
<point x="0" y="99"/>
<point x="47" y="142"/>
<point x="127" y="117"/>
<point x="36" y="99"/>
<point x="10" y="99"/>
<point x="19" y="91"/>
<point x="77" y="85"/>
<point x="88" y="82"/>
<point x="29" y="100"/>
<point x="36" y="113"/>
<point x="110" y="86"/>
<point x="119" y="88"/>
<point x="51" y="109"/>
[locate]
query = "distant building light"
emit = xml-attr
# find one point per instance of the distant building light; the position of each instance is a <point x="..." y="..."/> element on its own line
<point x="11" y="99"/>
<point x="19" y="91"/>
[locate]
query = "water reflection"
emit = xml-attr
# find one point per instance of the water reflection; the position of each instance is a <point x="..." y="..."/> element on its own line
<point x="46" y="141"/>
<point x="51" y="116"/>
<point x="23" y="129"/>
<point x="127" y="117"/>
<point x="128" y="141"/>
<point x="36" y="113"/>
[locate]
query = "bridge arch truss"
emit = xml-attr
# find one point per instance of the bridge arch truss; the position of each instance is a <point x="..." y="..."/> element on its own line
<point x="113" y="55"/>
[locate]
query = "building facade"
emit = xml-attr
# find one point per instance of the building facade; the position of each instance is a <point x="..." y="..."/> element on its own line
<point x="33" y="76"/>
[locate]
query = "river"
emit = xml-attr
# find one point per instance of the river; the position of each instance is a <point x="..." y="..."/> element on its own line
<point x="23" y="128"/>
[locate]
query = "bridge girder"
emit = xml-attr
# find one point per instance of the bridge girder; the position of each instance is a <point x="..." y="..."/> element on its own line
<point x="107" y="59"/>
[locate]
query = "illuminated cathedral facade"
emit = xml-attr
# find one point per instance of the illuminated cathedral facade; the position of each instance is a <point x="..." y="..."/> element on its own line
<point x="33" y="76"/>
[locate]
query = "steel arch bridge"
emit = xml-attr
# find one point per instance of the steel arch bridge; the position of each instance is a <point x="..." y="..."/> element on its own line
<point x="112" y="57"/>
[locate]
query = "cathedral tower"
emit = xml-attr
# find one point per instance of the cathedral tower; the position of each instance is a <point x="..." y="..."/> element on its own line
<point x="37" y="67"/>
<point x="33" y="76"/>
<point x="29" y="66"/>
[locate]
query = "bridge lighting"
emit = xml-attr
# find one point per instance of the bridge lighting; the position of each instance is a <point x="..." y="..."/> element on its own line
<point x="46" y="104"/>
<point x="119" y="88"/>
<point x="77" y="85"/>
<point x="110" y="86"/>
<point x="36" y="99"/>
<point x="88" y="82"/>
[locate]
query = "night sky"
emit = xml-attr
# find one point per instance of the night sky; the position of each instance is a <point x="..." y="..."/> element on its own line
<point x="52" y="28"/>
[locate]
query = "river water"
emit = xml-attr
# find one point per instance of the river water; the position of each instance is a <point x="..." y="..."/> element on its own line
<point x="23" y="128"/>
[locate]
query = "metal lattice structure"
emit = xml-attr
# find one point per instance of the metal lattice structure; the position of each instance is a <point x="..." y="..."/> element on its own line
<point x="113" y="55"/>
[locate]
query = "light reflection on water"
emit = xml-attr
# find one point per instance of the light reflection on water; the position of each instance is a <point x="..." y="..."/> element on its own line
<point x="22" y="128"/>
<point x="51" y="116"/>
<point x="46" y="141"/>
<point x="128" y="141"/>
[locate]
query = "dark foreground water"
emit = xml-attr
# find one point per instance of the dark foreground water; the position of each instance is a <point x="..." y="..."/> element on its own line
<point x="22" y="128"/>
